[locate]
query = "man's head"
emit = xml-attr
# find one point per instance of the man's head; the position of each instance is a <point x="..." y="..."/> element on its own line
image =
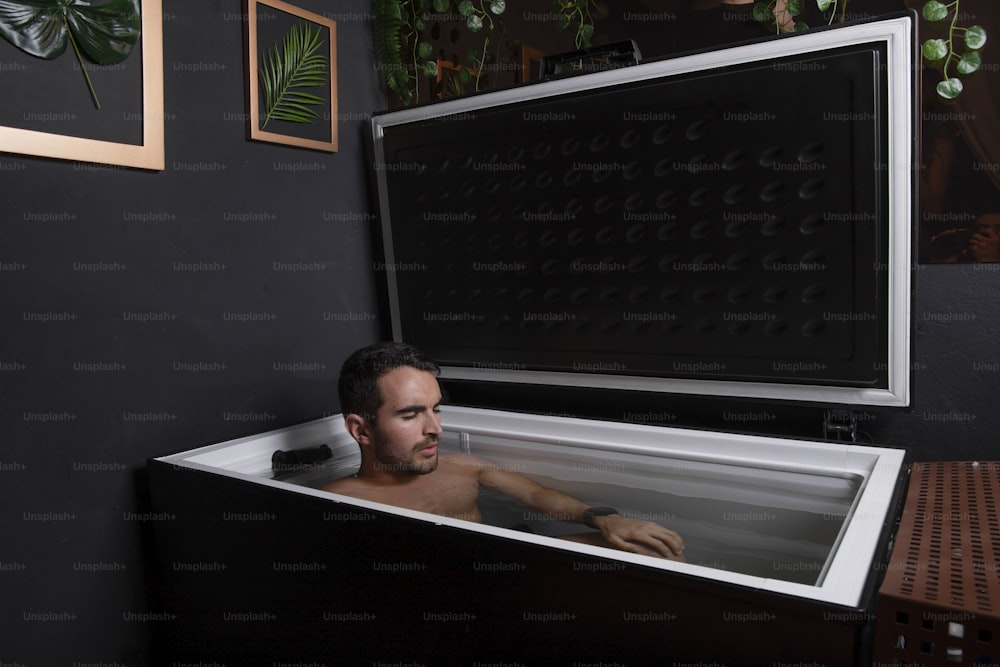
<point x="358" y="385"/>
<point x="390" y="399"/>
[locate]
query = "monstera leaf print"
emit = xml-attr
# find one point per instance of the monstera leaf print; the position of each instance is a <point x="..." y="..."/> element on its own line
<point x="106" y="33"/>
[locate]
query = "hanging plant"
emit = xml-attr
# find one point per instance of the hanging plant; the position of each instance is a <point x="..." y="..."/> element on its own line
<point x="405" y="55"/>
<point x="581" y="16"/>
<point x="282" y="73"/>
<point x="831" y="6"/>
<point x="391" y="19"/>
<point x="105" y="33"/>
<point x="939" y="53"/>
<point x="476" y="19"/>
<point x="402" y="53"/>
<point x="782" y="14"/>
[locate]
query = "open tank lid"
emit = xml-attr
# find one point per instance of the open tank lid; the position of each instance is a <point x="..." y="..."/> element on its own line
<point x="729" y="223"/>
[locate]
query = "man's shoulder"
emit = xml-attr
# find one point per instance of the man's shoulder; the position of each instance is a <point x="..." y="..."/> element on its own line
<point x="465" y="461"/>
<point x="343" y="485"/>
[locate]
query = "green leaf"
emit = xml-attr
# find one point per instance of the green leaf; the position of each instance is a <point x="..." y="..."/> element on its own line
<point x="424" y="50"/>
<point x="441" y="6"/>
<point x="393" y="10"/>
<point x="934" y="11"/>
<point x="823" y="5"/>
<point x="387" y="25"/>
<point x="801" y="26"/>
<point x="474" y="23"/>
<point x="934" y="49"/>
<point x="762" y="12"/>
<point x="795" y="7"/>
<point x="42" y="28"/>
<point x="585" y="33"/>
<point x="466" y="8"/>
<point x="969" y="62"/>
<point x="949" y="89"/>
<point x="498" y="6"/>
<point x="430" y="69"/>
<point x="299" y="63"/>
<point x="975" y="37"/>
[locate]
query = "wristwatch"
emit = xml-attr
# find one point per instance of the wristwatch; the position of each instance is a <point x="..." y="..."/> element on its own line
<point x="591" y="513"/>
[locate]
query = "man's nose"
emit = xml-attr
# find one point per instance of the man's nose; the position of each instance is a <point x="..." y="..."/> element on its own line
<point x="433" y="423"/>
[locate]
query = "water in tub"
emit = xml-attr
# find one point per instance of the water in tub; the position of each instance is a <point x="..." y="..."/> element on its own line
<point x="761" y="522"/>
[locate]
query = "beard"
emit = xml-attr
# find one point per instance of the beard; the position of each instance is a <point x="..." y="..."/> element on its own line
<point x="414" y="463"/>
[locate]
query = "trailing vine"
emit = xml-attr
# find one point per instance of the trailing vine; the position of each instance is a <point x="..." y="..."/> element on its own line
<point x="403" y="52"/>
<point x="941" y="51"/>
<point x="938" y="52"/>
<point x="781" y="13"/>
<point x="477" y="18"/>
<point x="405" y="55"/>
<point x="581" y="15"/>
<point x="831" y="6"/>
<point x="389" y="42"/>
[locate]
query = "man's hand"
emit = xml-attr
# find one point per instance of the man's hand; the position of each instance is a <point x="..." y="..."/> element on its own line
<point x="641" y="537"/>
<point x="618" y="532"/>
<point x="985" y="244"/>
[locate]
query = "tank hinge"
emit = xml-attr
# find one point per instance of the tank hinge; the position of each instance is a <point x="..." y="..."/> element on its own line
<point x="840" y="425"/>
<point x="594" y="59"/>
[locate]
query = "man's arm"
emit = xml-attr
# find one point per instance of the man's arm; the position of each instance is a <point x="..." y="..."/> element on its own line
<point x="643" y="537"/>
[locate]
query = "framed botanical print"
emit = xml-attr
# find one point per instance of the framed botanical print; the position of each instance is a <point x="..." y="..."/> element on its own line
<point x="100" y="100"/>
<point x="292" y="75"/>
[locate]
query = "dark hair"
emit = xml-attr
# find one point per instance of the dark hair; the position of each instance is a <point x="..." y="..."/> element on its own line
<point x="357" y="386"/>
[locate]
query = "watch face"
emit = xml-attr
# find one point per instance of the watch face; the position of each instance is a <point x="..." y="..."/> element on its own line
<point x="602" y="511"/>
<point x="592" y="512"/>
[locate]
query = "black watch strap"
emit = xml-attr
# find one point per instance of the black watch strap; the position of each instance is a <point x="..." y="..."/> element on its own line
<point x="591" y="513"/>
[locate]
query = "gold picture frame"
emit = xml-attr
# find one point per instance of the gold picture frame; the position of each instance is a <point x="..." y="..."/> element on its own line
<point x="149" y="154"/>
<point x="329" y="142"/>
<point x="531" y="59"/>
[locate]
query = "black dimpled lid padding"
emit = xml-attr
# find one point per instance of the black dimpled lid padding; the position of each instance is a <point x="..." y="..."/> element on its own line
<point x="725" y="225"/>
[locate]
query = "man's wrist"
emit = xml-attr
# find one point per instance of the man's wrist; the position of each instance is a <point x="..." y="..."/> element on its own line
<point x="592" y="513"/>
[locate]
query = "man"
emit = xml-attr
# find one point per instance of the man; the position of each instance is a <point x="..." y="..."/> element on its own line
<point x="391" y="399"/>
<point x="984" y="245"/>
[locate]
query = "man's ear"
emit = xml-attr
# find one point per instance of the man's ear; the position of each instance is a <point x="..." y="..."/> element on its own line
<point x="359" y="428"/>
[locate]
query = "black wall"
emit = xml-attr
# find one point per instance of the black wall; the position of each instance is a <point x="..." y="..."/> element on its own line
<point x="145" y="313"/>
<point x="207" y="301"/>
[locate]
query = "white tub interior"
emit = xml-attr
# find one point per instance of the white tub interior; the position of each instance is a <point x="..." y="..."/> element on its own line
<point x="795" y="517"/>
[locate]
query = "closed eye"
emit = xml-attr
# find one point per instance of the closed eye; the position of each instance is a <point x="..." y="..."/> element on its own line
<point x="412" y="411"/>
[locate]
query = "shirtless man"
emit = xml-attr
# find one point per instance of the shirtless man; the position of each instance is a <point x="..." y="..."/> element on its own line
<point x="391" y="399"/>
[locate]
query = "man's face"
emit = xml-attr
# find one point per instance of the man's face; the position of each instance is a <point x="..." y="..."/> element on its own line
<point x="406" y="434"/>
